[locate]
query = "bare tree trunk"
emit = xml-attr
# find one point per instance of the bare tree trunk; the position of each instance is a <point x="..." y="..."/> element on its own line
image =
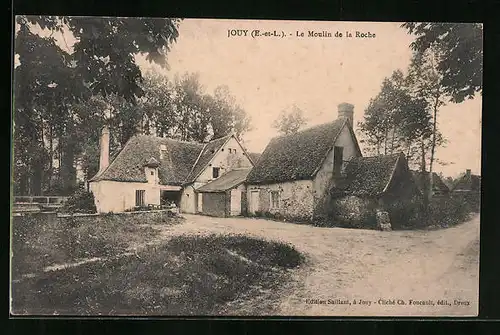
<point x="422" y="151"/>
<point x="51" y="161"/>
<point x="433" y="144"/>
<point x="385" y="142"/>
<point x="392" y="139"/>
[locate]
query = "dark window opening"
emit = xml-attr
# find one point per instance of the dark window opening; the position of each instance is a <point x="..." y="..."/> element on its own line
<point x="338" y="159"/>
<point x="139" y="197"/>
<point x="152" y="173"/>
<point x="215" y="172"/>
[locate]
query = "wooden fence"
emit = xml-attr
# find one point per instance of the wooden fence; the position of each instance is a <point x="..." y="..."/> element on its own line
<point x="37" y="203"/>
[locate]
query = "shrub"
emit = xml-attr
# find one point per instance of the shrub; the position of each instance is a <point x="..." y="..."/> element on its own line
<point x="80" y="202"/>
<point x="448" y="211"/>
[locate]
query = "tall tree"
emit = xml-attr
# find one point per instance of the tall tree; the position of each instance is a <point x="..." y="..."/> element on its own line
<point x="290" y="120"/>
<point x="397" y="120"/>
<point x="427" y="83"/>
<point x="105" y="48"/>
<point x="49" y="81"/>
<point x="461" y="47"/>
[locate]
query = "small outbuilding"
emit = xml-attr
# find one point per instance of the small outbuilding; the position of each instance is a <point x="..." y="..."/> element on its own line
<point x="225" y="196"/>
<point x="373" y="185"/>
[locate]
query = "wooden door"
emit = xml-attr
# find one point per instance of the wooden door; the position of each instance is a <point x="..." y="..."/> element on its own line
<point x="254" y="202"/>
<point x="235" y="202"/>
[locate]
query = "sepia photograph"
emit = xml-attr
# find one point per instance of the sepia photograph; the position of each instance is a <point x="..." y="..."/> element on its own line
<point x="227" y="167"/>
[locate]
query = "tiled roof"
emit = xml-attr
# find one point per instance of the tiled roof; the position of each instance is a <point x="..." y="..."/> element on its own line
<point x="369" y="176"/>
<point x="175" y="166"/>
<point x="226" y="182"/>
<point x="254" y="156"/>
<point x="437" y="183"/>
<point x="297" y="156"/>
<point x="470" y="182"/>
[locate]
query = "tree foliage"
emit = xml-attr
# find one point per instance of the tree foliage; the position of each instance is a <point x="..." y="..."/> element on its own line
<point x="105" y="48"/>
<point x="461" y="47"/>
<point x="290" y="120"/>
<point x="63" y="98"/>
<point x="398" y="120"/>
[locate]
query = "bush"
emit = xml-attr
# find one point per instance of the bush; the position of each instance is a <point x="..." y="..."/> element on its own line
<point x="448" y="211"/>
<point x="80" y="202"/>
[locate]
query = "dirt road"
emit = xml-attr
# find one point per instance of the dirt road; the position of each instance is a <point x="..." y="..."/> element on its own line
<point x="399" y="273"/>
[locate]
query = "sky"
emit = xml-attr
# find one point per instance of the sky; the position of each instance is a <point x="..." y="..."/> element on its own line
<point x="267" y="74"/>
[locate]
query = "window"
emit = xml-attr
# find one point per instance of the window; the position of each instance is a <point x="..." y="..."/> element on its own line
<point x="139" y="197"/>
<point x="338" y="159"/>
<point x="152" y="173"/>
<point x="275" y="199"/>
<point x="163" y="149"/>
<point x="215" y="172"/>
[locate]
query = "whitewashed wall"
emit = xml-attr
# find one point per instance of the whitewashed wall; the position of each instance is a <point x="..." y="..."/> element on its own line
<point x="113" y="196"/>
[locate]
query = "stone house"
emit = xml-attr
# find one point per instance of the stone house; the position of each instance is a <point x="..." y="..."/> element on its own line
<point x="151" y="170"/>
<point x="468" y="187"/>
<point x="438" y="186"/>
<point x="375" y="184"/>
<point x="467" y="182"/>
<point x="294" y="173"/>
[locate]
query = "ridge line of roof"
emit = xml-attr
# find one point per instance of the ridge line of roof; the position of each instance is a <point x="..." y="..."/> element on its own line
<point x="392" y="173"/>
<point x="196" y="161"/>
<point x="215" y="153"/>
<point x="329" y="149"/>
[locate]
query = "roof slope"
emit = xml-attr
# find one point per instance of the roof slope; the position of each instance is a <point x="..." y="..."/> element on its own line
<point x="177" y="162"/>
<point x="369" y="175"/>
<point x="470" y="182"/>
<point x="296" y="156"/>
<point x="437" y="182"/>
<point x="227" y="181"/>
<point x="210" y="149"/>
<point x="254" y="156"/>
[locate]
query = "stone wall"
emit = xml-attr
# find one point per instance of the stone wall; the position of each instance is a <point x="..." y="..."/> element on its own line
<point x="353" y="212"/>
<point x="296" y="200"/>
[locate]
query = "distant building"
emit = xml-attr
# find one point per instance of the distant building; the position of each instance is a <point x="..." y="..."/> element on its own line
<point x="467" y="182"/>
<point x="438" y="186"/>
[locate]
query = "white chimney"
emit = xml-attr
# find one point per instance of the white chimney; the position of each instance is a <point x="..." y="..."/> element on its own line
<point x="346" y="110"/>
<point x="104" y="146"/>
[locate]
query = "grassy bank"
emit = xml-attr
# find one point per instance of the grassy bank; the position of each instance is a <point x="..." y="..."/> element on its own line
<point x="39" y="241"/>
<point x="188" y="275"/>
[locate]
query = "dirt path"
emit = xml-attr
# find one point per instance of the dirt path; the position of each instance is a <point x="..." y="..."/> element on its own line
<point x="347" y="264"/>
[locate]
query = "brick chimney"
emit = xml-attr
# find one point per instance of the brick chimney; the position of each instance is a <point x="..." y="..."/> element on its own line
<point x="104" y="146"/>
<point x="467" y="173"/>
<point x="346" y="110"/>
